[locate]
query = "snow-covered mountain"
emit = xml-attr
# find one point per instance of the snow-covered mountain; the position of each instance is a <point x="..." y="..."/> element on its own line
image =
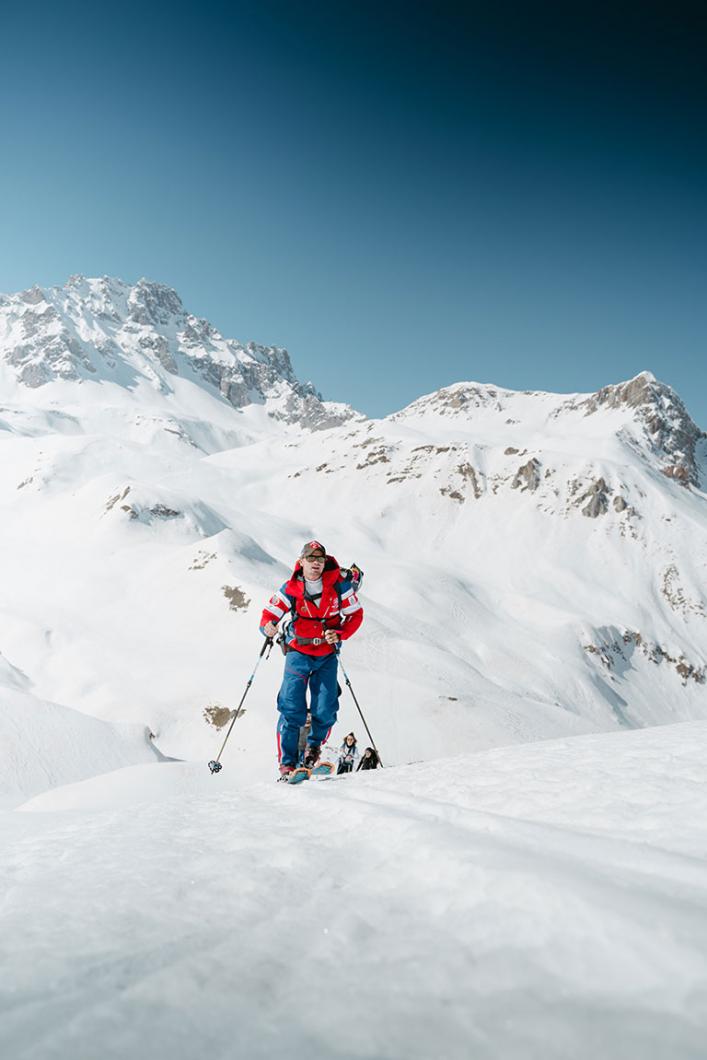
<point x="535" y="563"/>
<point x="110" y="331"/>
<point x="535" y="569"/>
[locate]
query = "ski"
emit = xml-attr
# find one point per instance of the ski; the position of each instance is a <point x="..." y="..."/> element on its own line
<point x="318" y="772"/>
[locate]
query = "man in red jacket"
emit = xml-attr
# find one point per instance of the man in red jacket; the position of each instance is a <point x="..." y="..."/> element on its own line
<point x="321" y="608"/>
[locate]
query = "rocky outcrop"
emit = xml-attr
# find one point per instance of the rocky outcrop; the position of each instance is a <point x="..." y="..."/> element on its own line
<point x="668" y="427"/>
<point x="677" y="596"/>
<point x="218" y="716"/>
<point x="615" y="653"/>
<point x="527" y="476"/>
<point x="597" y="499"/>
<point x="105" y="328"/>
<point x="451" y="401"/>
<point x="237" y="599"/>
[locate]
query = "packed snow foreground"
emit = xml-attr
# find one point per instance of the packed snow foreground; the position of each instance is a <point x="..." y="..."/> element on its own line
<point x="548" y="900"/>
<point x="535" y="643"/>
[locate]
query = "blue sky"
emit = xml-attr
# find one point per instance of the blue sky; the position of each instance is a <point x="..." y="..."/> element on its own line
<point x="404" y="197"/>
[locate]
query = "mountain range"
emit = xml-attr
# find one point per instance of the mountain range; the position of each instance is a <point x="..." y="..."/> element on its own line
<point x="534" y="563"/>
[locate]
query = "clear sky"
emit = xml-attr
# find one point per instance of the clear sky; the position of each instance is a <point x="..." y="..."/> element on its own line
<point x="405" y="195"/>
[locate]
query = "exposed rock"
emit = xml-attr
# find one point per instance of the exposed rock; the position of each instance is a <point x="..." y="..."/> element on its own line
<point x="597" y="497"/>
<point x="668" y="426"/>
<point x="679" y="472"/>
<point x="202" y="559"/>
<point x="453" y="400"/>
<point x="237" y="599"/>
<point x="620" y="504"/>
<point x="510" y="451"/>
<point x="468" y="474"/>
<point x="374" y="456"/>
<point x="33" y="296"/>
<point x="469" y="479"/>
<point x="433" y="448"/>
<point x="527" y="477"/>
<point x="118" y="497"/>
<point x="614" y="649"/>
<point x="158" y="346"/>
<point x="161" y="511"/>
<point x="219" y="716"/>
<point x="149" y="319"/>
<point x="679" y="600"/>
<point x="153" y="303"/>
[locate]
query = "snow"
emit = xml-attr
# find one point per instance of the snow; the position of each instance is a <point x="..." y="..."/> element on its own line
<point x="539" y="894"/>
<point x="44" y="745"/>
<point x="538" y="901"/>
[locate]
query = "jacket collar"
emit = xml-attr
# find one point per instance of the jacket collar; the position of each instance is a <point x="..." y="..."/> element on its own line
<point x="330" y="575"/>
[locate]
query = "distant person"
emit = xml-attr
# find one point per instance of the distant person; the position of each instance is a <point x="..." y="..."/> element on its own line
<point x="323" y="609"/>
<point x="348" y="755"/>
<point x="369" y="759"/>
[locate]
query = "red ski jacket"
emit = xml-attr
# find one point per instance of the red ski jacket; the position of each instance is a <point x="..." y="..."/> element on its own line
<point x="338" y="609"/>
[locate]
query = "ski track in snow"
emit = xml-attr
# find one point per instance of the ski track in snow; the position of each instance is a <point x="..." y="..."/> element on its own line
<point x="540" y="901"/>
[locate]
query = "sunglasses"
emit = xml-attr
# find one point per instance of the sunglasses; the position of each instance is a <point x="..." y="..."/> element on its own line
<point x="315" y="559"/>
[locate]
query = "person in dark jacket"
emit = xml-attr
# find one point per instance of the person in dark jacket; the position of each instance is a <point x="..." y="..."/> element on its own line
<point x="369" y="759"/>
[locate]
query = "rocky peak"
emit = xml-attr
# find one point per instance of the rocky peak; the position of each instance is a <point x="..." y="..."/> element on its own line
<point x="95" y="328"/>
<point x="154" y="304"/>
<point x="459" y="399"/>
<point x="641" y="390"/>
<point x="670" y="431"/>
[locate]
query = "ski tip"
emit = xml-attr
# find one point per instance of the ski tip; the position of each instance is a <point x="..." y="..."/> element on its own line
<point x="323" y="769"/>
<point x="298" y="775"/>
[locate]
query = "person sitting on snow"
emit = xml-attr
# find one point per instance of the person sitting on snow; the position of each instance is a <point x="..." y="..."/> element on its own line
<point x="369" y="760"/>
<point x="320" y="600"/>
<point x="348" y="755"/>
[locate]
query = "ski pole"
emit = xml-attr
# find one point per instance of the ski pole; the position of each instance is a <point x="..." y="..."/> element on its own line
<point x="215" y="765"/>
<point x="358" y="705"/>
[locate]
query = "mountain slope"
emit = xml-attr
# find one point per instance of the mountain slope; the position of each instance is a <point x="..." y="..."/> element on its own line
<point x="43" y="745"/>
<point x="535" y="563"/>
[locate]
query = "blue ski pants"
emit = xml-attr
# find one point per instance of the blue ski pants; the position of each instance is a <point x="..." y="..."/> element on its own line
<point x="318" y="673"/>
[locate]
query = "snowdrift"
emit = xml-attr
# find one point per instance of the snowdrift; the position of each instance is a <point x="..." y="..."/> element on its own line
<point x="44" y="745"/>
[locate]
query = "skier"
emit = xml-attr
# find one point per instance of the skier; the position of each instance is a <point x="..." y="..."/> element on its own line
<point x="369" y="759"/>
<point x="324" y="609"/>
<point x="348" y="755"/>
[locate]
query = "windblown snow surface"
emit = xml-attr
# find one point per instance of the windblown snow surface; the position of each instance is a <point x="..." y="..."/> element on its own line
<point x="548" y="900"/>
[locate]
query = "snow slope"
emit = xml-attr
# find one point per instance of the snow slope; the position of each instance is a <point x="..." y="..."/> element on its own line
<point x="44" y="745"/>
<point x="544" y="901"/>
<point x="535" y="563"/>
